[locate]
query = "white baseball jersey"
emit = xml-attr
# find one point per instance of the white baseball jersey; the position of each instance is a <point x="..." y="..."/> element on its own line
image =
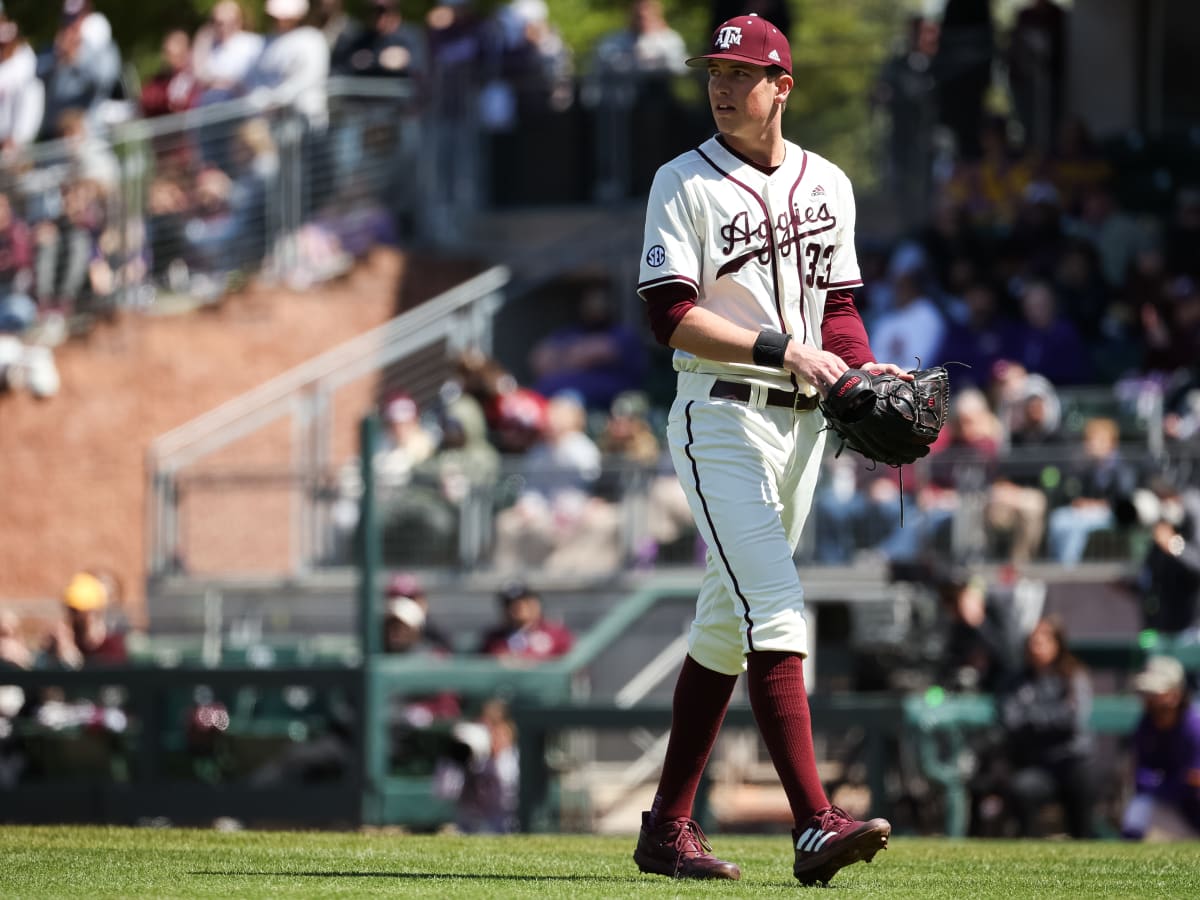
<point x="761" y="250"/>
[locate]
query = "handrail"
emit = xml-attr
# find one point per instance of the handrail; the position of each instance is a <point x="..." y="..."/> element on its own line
<point x="336" y="366"/>
<point x="142" y="128"/>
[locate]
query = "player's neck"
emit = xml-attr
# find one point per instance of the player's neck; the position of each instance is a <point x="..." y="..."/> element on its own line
<point x="766" y="151"/>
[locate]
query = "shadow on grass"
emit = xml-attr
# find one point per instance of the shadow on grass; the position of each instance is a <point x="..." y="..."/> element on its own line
<point x="466" y="875"/>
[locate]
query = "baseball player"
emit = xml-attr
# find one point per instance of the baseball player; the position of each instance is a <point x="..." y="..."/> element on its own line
<point x="747" y="271"/>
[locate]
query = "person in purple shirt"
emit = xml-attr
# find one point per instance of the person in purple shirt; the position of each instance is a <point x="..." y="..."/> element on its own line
<point x="597" y="358"/>
<point x="1166" y="751"/>
<point x="977" y="342"/>
<point x="1045" y="342"/>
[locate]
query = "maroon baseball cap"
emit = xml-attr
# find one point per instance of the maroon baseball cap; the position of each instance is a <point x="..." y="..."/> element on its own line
<point x="405" y="584"/>
<point x="748" y="39"/>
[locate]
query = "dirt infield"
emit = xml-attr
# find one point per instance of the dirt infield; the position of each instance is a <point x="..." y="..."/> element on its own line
<point x="72" y="468"/>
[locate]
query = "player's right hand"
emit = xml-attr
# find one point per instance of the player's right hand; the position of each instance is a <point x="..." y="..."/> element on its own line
<point x="820" y="368"/>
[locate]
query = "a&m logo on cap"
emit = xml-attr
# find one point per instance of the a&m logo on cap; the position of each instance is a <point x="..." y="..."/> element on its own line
<point x="729" y="36"/>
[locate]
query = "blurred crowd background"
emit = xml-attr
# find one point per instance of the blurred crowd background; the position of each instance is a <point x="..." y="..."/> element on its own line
<point x="1042" y="242"/>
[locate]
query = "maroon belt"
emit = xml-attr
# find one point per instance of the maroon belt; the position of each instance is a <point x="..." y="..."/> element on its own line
<point x="739" y="390"/>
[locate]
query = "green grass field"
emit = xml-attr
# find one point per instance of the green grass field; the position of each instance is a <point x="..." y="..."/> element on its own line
<point x="118" y="862"/>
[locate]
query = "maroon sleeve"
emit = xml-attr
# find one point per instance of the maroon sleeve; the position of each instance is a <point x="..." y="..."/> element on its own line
<point x="666" y="305"/>
<point x="154" y="97"/>
<point x="842" y="330"/>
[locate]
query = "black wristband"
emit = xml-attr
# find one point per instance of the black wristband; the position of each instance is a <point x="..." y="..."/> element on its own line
<point x="770" y="348"/>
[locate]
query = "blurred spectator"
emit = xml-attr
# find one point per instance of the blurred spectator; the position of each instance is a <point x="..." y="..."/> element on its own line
<point x="17" y="309"/>
<point x="357" y="218"/>
<point x="121" y="263"/>
<point x="1046" y="342"/>
<point x="1037" y="235"/>
<point x="516" y="417"/>
<point x="96" y="29"/>
<point x="22" y="94"/>
<point x="230" y="211"/>
<point x="597" y="357"/>
<point x="1027" y="404"/>
<point x="531" y="63"/>
<point x="210" y="228"/>
<point x="1037" y="60"/>
<point x="416" y="722"/>
<point x="85" y="637"/>
<point x="1076" y="166"/>
<point x="1166" y="753"/>
<point x="948" y="239"/>
<point x="855" y="509"/>
<point x="979" y="639"/>
<point x="1116" y="235"/>
<point x="65" y="248"/>
<point x="460" y="49"/>
<point x="1016" y="513"/>
<point x="635" y="463"/>
<point x="388" y="46"/>
<point x="1171" y="327"/>
<point x="167" y="209"/>
<point x="224" y="53"/>
<point x="989" y="187"/>
<point x="173" y="88"/>
<point x="957" y="475"/>
<point x="963" y="66"/>
<point x="637" y="116"/>
<point x="978" y="341"/>
<point x="481" y="772"/>
<point x="1168" y="580"/>
<point x="13" y="651"/>
<point x="254" y="165"/>
<point x="404" y="628"/>
<point x="646" y="45"/>
<point x="910" y="331"/>
<point x="1093" y="486"/>
<point x="1082" y="293"/>
<point x="406" y="584"/>
<point x="455" y="35"/>
<point x="1181" y="407"/>
<point x="421" y="522"/>
<point x="407" y="442"/>
<point x="557" y="522"/>
<point x="1183" y="234"/>
<point x="293" y="66"/>
<point x="524" y="634"/>
<point x="627" y="436"/>
<point x="906" y="88"/>
<point x="1044" y="711"/>
<point x="91" y="157"/>
<point x="341" y="31"/>
<point x="82" y="69"/>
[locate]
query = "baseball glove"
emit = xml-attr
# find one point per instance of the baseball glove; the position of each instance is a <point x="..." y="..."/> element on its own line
<point x="886" y="418"/>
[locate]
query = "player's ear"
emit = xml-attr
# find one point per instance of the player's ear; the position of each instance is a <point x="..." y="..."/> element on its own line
<point x="783" y="87"/>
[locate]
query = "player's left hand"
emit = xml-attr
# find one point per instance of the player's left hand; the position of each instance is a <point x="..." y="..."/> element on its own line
<point x="877" y="368"/>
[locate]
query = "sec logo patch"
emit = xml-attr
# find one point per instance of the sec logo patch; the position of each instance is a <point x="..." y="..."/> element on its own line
<point x="656" y="255"/>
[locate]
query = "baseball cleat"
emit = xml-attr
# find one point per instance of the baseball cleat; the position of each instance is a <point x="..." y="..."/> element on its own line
<point x="831" y="840"/>
<point x="678" y="848"/>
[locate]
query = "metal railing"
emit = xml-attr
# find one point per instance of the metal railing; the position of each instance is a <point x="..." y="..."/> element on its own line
<point x="498" y="521"/>
<point x="459" y="319"/>
<point x="191" y="204"/>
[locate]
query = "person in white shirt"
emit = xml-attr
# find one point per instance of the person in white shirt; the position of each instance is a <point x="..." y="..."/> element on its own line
<point x="224" y="53"/>
<point x="294" y="65"/>
<point x="22" y="95"/>
<point x="647" y="44"/>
